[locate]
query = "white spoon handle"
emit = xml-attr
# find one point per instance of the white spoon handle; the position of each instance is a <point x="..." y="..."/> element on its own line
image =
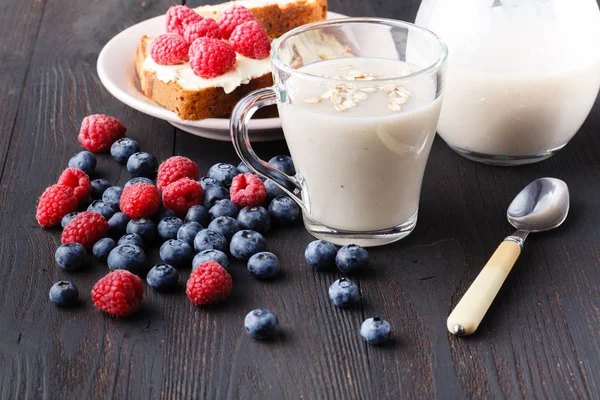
<point x="470" y="310"/>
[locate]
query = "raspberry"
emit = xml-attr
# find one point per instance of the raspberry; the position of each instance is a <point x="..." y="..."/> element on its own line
<point x="206" y="28"/>
<point x="179" y="17"/>
<point x="86" y="229"/>
<point x="78" y="181"/>
<point x="209" y="283"/>
<point x="98" y="132"/>
<point x="247" y="190"/>
<point x="118" y="293"/>
<point x="56" y="202"/>
<point x="211" y="57"/>
<point x="233" y="16"/>
<point x="175" y="168"/>
<point x="169" y="49"/>
<point x="250" y="40"/>
<point x="181" y="195"/>
<point x="140" y="200"/>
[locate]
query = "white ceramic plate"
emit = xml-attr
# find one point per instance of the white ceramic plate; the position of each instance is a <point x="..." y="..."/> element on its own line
<point x="116" y="70"/>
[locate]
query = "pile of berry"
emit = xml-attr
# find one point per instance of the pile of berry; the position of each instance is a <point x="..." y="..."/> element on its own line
<point x="197" y="222"/>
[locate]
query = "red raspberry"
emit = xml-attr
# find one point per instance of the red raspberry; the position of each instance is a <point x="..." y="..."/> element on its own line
<point x="180" y="195"/>
<point x="233" y="16"/>
<point x="175" y="168"/>
<point x="56" y="202"/>
<point x="78" y="181"/>
<point x="140" y="200"/>
<point x="118" y="293"/>
<point x="179" y="17"/>
<point x="247" y="190"/>
<point x="250" y="40"/>
<point x="169" y="49"/>
<point x="86" y="229"/>
<point x="209" y="283"/>
<point x="206" y="28"/>
<point x="98" y="132"/>
<point x="211" y="57"/>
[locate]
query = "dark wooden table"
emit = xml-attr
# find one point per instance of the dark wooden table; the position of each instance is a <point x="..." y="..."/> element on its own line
<point x="541" y="338"/>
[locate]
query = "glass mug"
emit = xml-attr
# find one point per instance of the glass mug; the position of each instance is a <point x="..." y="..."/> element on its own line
<point x="359" y="100"/>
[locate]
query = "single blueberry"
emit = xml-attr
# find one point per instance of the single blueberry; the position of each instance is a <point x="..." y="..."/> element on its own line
<point x="67" y="218"/>
<point x="188" y="231"/>
<point x="163" y="277"/>
<point x="139" y="179"/>
<point x="71" y="256"/>
<point x="197" y="214"/>
<point x="210" y="255"/>
<point x="273" y="190"/>
<point x="320" y="255"/>
<point x="162" y="214"/>
<point x="255" y="218"/>
<point x="64" y="294"/>
<point x="226" y="226"/>
<point x="124" y="148"/>
<point x="128" y="257"/>
<point x="351" y="258"/>
<point x="207" y="239"/>
<point x="284" y="164"/>
<point x="242" y="168"/>
<point x="168" y="227"/>
<point x="98" y="188"/>
<point x="112" y="196"/>
<point x="213" y="194"/>
<point x="246" y="243"/>
<point x="375" y="330"/>
<point x="284" y="210"/>
<point x="223" y="172"/>
<point x="223" y="208"/>
<point x="208" y="182"/>
<point x="264" y="265"/>
<point x="261" y="324"/>
<point x="85" y="161"/>
<point x="142" y="164"/>
<point x="102" y="208"/>
<point x="102" y="248"/>
<point x="117" y="224"/>
<point x="176" y="252"/>
<point x="343" y="293"/>
<point x="144" y="227"/>
<point x="132" y="238"/>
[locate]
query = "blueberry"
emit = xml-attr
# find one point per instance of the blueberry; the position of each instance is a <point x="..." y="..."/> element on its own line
<point x="255" y="218"/>
<point x="375" y="330"/>
<point x="124" y="148"/>
<point x="264" y="265"/>
<point x="142" y="164"/>
<point x="223" y="172"/>
<point x="67" y="218"/>
<point x="144" y="227"/>
<point x="320" y="255"/>
<point x="207" y="239"/>
<point x="351" y="258"/>
<point x="223" y="208"/>
<point x="139" y="179"/>
<point x="64" y="294"/>
<point x="71" y="256"/>
<point x="246" y="243"/>
<point x="226" y="226"/>
<point x="210" y="255"/>
<point x="261" y="324"/>
<point x="162" y="277"/>
<point x="343" y="293"/>
<point x="98" y="187"/>
<point x="284" y="210"/>
<point x="85" y="161"/>
<point x="284" y="164"/>
<point x="132" y="238"/>
<point x="207" y="182"/>
<point x="188" y="231"/>
<point x="112" y="196"/>
<point x="102" y="208"/>
<point x="176" y="252"/>
<point x="168" y="227"/>
<point x="162" y="214"/>
<point x="242" y="168"/>
<point x="117" y="224"/>
<point x="273" y="190"/>
<point x="197" y="214"/>
<point x="213" y="194"/>
<point x="102" y="248"/>
<point x="127" y="256"/>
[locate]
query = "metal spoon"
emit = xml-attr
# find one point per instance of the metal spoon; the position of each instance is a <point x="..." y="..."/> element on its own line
<point x="540" y="206"/>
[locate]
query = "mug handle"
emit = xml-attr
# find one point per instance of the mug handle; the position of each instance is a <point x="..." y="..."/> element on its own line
<point x="238" y="126"/>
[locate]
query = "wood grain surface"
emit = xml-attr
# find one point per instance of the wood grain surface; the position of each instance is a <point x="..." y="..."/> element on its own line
<point x="541" y="338"/>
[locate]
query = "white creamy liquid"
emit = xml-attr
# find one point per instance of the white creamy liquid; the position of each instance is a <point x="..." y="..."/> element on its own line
<point x="362" y="167"/>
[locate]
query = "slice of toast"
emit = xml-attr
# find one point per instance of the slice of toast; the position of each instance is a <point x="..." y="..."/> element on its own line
<point x="276" y="16"/>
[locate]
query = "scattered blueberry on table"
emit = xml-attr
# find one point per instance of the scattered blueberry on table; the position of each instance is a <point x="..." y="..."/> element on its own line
<point x="163" y="278"/>
<point x="343" y="293"/>
<point x="320" y="255"/>
<point x="375" y="330"/>
<point x="64" y="294"/>
<point x="261" y="324"/>
<point x="264" y="265"/>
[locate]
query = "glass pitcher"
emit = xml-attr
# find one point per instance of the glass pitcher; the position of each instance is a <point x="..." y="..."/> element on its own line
<point x="522" y="74"/>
